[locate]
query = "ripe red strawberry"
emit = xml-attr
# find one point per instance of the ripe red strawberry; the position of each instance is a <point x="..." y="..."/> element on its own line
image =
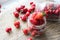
<point x="16" y="14"/>
<point x="38" y="16"/>
<point x="8" y="30"/>
<point x="24" y="18"/>
<point x="30" y="38"/>
<point x="27" y="14"/>
<point x="31" y="3"/>
<point x="17" y="24"/>
<point x="25" y="31"/>
<point x="24" y="10"/>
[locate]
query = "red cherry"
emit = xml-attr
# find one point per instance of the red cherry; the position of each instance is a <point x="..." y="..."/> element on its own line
<point x="24" y="10"/>
<point x="17" y="24"/>
<point x="16" y="14"/>
<point x="56" y="12"/>
<point x="8" y="30"/>
<point x="30" y="38"/>
<point x="31" y="3"/>
<point x="24" y="18"/>
<point x="25" y="31"/>
<point x="18" y="9"/>
<point x="33" y="33"/>
<point x="32" y="8"/>
<point x="27" y="14"/>
<point x="41" y="21"/>
<point x="33" y="21"/>
<point x="29" y="10"/>
<point x="22" y="6"/>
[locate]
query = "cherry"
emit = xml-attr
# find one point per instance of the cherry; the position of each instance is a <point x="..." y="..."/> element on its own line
<point x="16" y="14"/>
<point x="24" y="10"/>
<point x="18" y="9"/>
<point x="24" y="18"/>
<point x="8" y="30"/>
<point x="31" y="3"/>
<point x="27" y="14"/>
<point x="22" y="6"/>
<point x="33" y="33"/>
<point x="25" y="31"/>
<point x="30" y="38"/>
<point x="17" y="24"/>
<point x="33" y="21"/>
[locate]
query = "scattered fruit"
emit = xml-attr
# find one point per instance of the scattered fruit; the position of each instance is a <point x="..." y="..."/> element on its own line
<point x="25" y="31"/>
<point x="16" y="14"/>
<point x="24" y="18"/>
<point x="27" y="14"/>
<point x="24" y="10"/>
<point x="8" y="30"/>
<point x="17" y="24"/>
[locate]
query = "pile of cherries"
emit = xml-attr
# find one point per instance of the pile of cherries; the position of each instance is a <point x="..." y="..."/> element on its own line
<point x="37" y="18"/>
<point x="26" y="12"/>
<point x="52" y="11"/>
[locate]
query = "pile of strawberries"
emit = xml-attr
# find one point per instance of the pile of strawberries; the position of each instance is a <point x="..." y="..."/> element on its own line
<point x="52" y="11"/>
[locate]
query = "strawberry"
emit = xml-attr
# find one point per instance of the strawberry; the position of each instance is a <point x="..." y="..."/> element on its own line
<point x="16" y="14"/>
<point x="8" y="30"/>
<point x="17" y="24"/>
<point x="38" y="16"/>
<point x="25" y="31"/>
